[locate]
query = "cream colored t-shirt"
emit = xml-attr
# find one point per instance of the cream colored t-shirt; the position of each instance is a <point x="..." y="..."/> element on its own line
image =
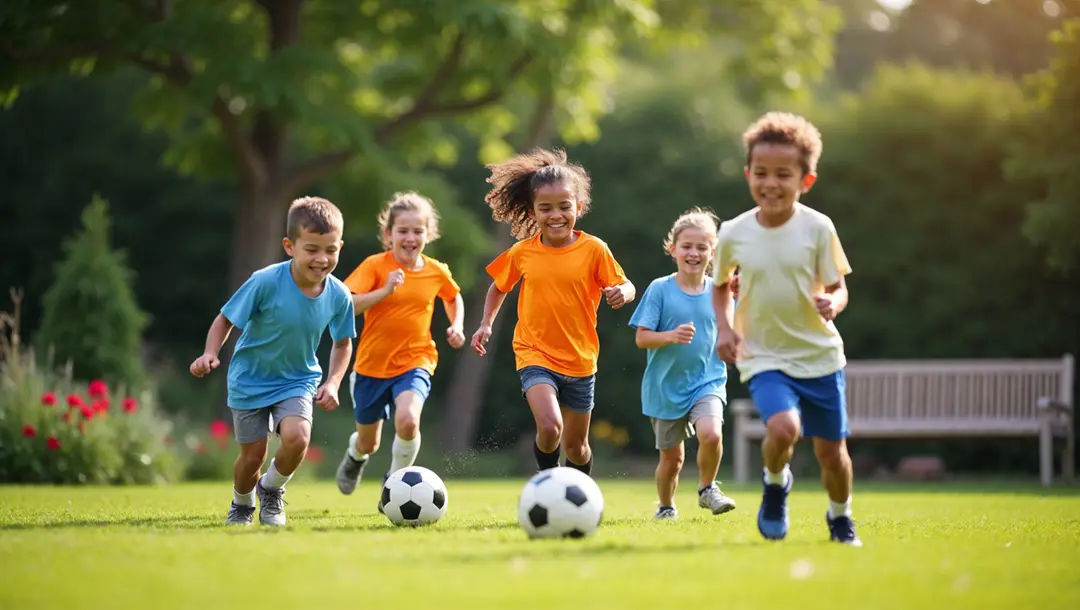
<point x="780" y="269"/>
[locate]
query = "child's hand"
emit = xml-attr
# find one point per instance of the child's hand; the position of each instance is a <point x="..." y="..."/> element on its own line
<point x="615" y="296"/>
<point x="327" y="396"/>
<point x="825" y="306"/>
<point x="682" y="335"/>
<point x="455" y="337"/>
<point x="480" y="339"/>
<point x="727" y="345"/>
<point x="394" y="279"/>
<point x="204" y="364"/>
<point x="734" y="285"/>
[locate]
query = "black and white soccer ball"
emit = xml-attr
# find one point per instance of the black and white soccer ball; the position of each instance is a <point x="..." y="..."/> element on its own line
<point x="560" y="502"/>
<point x="414" y="496"/>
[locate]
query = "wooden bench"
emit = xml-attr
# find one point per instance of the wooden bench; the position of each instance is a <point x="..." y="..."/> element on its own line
<point x="947" y="398"/>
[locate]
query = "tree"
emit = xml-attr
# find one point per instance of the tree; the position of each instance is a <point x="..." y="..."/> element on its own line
<point x="1049" y="154"/>
<point x="282" y="93"/>
<point x="91" y="318"/>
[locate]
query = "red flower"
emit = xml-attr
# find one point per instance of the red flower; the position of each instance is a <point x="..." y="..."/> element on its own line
<point x="87" y="412"/>
<point x="100" y="406"/>
<point x="219" y="429"/>
<point x="29" y="431"/>
<point x="129" y="405"/>
<point x="315" y="455"/>
<point x="52" y="444"/>
<point x="97" y="389"/>
<point x="48" y="399"/>
<point x="74" y="400"/>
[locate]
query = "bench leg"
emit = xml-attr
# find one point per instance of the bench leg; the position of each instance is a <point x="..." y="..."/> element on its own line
<point x="1046" y="453"/>
<point x="742" y="450"/>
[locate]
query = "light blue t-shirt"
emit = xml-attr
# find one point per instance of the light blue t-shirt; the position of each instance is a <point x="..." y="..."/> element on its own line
<point x="275" y="355"/>
<point x="677" y="376"/>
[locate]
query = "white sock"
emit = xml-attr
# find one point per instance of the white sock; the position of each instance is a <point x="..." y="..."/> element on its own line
<point x="404" y="452"/>
<point x="274" y="479"/>
<point x="240" y="499"/>
<point x="359" y="457"/>
<point x="840" y="509"/>
<point x="777" y="478"/>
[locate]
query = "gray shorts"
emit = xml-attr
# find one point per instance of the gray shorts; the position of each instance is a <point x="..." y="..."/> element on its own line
<point x="670" y="432"/>
<point x="252" y="425"/>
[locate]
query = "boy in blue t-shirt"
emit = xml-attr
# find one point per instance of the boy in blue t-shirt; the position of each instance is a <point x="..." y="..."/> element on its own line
<point x="683" y="388"/>
<point x="283" y="311"/>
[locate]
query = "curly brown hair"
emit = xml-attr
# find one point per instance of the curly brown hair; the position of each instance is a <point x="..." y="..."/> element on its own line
<point x="409" y="201"/>
<point x="315" y="214"/>
<point x="514" y="183"/>
<point x="786" y="128"/>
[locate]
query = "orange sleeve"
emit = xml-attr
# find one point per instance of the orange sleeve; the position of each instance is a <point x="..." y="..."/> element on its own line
<point x="364" y="278"/>
<point x="449" y="289"/>
<point x="608" y="271"/>
<point x="504" y="271"/>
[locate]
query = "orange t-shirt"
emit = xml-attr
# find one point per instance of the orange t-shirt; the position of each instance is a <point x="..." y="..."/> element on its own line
<point x="561" y="289"/>
<point x="397" y="330"/>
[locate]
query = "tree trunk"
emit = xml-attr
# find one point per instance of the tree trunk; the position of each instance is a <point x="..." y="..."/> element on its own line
<point x="464" y="401"/>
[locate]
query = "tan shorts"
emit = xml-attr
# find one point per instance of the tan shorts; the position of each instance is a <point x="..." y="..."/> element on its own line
<point x="670" y="432"/>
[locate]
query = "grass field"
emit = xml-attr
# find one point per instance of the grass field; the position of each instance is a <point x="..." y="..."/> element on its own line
<point x="165" y="547"/>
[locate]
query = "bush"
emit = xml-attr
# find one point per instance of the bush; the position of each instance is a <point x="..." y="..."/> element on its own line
<point x="90" y="316"/>
<point x="54" y="429"/>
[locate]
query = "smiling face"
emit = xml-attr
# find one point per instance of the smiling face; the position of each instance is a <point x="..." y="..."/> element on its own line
<point x="407" y="236"/>
<point x="693" y="251"/>
<point x="315" y="255"/>
<point x="776" y="179"/>
<point x="555" y="211"/>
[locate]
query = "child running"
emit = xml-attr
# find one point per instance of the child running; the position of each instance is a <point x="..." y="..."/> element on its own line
<point x="564" y="273"/>
<point x="683" y="389"/>
<point x="396" y="291"/>
<point x="782" y="336"/>
<point x="282" y="311"/>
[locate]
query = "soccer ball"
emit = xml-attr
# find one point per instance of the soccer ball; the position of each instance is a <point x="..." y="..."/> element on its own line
<point x="560" y="502"/>
<point x="414" y="496"/>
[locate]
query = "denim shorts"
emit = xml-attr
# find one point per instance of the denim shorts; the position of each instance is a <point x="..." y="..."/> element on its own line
<point x="574" y="393"/>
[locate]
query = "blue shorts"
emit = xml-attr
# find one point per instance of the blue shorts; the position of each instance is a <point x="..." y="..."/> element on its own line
<point x="373" y="398"/>
<point x="820" y="401"/>
<point x="574" y="393"/>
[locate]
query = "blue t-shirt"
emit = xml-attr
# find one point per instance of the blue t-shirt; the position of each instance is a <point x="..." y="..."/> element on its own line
<point x="275" y="356"/>
<point x="677" y="376"/>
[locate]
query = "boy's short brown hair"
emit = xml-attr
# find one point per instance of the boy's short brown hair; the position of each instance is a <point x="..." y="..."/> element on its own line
<point x="315" y="214"/>
<point x="786" y="128"/>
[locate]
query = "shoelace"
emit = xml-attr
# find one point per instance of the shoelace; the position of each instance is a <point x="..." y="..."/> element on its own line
<point x="774" y="503"/>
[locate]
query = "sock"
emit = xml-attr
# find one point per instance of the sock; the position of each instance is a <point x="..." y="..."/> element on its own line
<point x="702" y="490"/>
<point x="546" y="460"/>
<point x="274" y="479"/>
<point x="359" y="457"/>
<point x="240" y="499"/>
<point x="404" y="452"/>
<point x="586" y="467"/>
<point x="840" y="509"/>
<point x="777" y="478"/>
<point x="662" y="507"/>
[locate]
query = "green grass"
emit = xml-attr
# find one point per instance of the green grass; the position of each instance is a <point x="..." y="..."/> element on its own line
<point x="164" y="547"/>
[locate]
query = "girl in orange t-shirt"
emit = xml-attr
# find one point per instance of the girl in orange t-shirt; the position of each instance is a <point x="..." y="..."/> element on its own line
<point x="564" y="273"/>
<point x="396" y="290"/>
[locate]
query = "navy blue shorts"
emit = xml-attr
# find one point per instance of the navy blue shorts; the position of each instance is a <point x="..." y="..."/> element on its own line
<point x="574" y="393"/>
<point x="373" y="398"/>
<point x="820" y="401"/>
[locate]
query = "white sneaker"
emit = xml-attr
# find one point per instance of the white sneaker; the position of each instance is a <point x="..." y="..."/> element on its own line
<point x="713" y="499"/>
<point x="666" y="513"/>
<point x="271" y="505"/>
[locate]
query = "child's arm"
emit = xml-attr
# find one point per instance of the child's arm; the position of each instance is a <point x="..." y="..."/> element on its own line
<point x="727" y="340"/>
<point x="340" y="356"/>
<point x="364" y="301"/>
<point x="620" y="295"/>
<point x="651" y="339"/>
<point x="455" y="312"/>
<point x="833" y="301"/>
<point x="215" y="338"/>
<point x="492" y="304"/>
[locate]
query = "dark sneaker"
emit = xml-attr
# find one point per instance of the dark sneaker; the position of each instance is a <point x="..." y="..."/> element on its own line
<point x="772" y="519"/>
<point x="666" y="513"/>
<point x="842" y="530"/>
<point x="349" y="472"/>
<point x="271" y="505"/>
<point x="240" y="515"/>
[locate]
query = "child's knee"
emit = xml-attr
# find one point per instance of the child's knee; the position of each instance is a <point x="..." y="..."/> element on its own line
<point x="549" y="429"/>
<point x="407" y="425"/>
<point x="710" y="438"/>
<point x="671" y="461"/>
<point x="296" y="436"/>
<point x="783" y="428"/>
